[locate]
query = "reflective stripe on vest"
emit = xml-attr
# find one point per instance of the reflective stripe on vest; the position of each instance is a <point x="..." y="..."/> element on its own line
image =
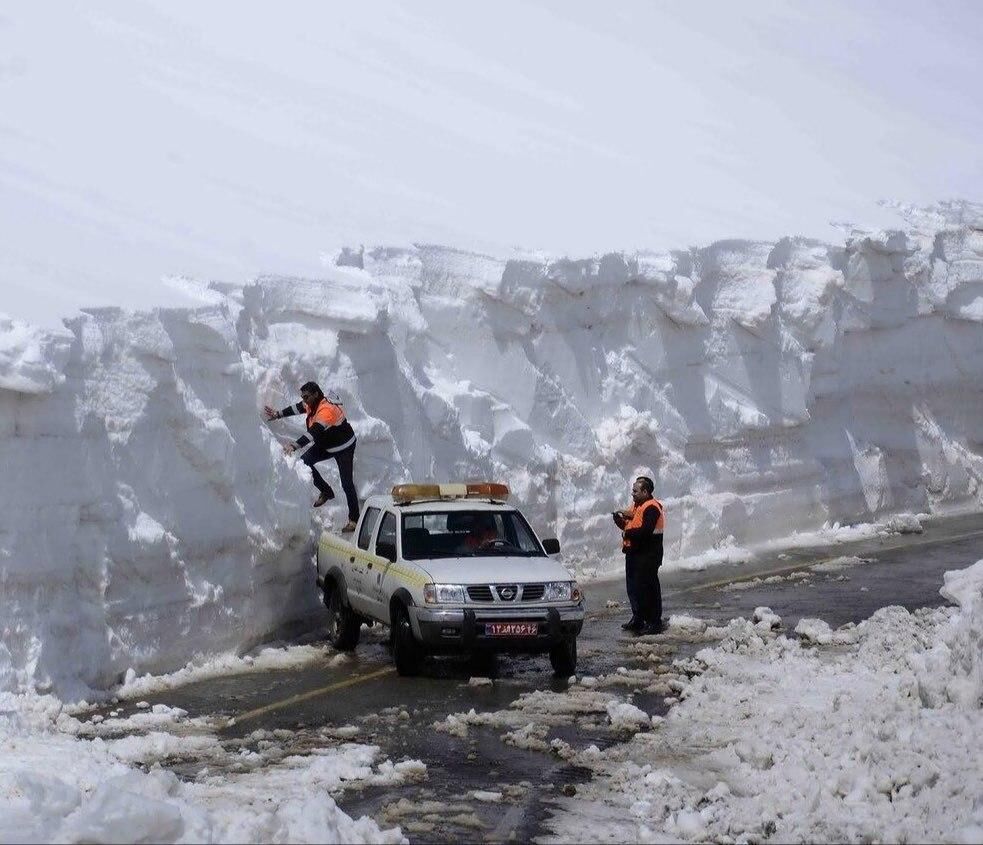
<point x="325" y="413"/>
<point x="638" y="514"/>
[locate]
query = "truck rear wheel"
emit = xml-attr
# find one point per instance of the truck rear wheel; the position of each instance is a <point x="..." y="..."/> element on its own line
<point x="343" y="623"/>
<point x="563" y="657"/>
<point x="407" y="652"/>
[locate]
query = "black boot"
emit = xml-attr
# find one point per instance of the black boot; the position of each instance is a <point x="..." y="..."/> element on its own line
<point x="325" y="496"/>
<point x="632" y="624"/>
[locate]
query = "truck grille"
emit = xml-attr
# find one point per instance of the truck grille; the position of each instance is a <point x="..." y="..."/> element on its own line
<point x="483" y="592"/>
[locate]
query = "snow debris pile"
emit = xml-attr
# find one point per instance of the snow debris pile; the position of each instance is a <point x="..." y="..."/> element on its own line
<point x="952" y="670"/>
<point x="54" y="788"/>
<point x="769" y="388"/>
<point x="776" y="739"/>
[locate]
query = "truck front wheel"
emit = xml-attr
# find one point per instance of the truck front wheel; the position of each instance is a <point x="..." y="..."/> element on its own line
<point x="563" y="657"/>
<point x="407" y="652"/>
<point x="343" y="623"/>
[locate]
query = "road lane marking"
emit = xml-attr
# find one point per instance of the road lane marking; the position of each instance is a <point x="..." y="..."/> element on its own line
<point x="304" y="696"/>
<point x="928" y="541"/>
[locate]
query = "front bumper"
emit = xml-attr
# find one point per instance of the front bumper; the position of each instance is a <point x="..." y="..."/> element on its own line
<point x="463" y="629"/>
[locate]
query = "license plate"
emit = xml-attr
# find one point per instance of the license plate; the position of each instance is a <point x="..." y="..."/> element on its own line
<point x="511" y="629"/>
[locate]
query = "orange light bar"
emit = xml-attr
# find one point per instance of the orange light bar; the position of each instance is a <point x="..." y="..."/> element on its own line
<point x="488" y="489"/>
<point x="405" y="493"/>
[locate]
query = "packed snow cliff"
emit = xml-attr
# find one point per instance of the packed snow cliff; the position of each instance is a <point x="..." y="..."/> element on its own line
<point x="149" y="515"/>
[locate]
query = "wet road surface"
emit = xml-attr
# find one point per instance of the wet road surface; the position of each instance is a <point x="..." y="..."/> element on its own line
<point x="363" y="697"/>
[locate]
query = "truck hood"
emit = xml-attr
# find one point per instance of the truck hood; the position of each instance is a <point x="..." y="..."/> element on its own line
<point x="495" y="570"/>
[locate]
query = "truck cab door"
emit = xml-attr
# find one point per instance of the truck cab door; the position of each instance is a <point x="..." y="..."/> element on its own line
<point x="377" y="584"/>
<point x="357" y="564"/>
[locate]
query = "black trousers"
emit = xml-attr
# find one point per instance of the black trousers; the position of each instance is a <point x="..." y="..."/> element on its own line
<point x="644" y="589"/>
<point x="346" y="465"/>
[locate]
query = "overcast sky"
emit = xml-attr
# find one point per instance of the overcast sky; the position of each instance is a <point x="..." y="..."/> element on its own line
<point x="225" y="139"/>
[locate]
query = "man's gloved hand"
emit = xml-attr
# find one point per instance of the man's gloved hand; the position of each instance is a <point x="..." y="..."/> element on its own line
<point x="271" y="413"/>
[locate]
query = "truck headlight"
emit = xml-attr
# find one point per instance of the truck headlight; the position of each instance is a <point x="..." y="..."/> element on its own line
<point x="443" y="594"/>
<point x="562" y="591"/>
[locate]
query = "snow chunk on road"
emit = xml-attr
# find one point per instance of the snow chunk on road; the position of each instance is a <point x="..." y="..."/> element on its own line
<point x="766" y="619"/>
<point x="817" y="631"/>
<point x="964" y="587"/>
<point x="455" y="724"/>
<point x="838" y="564"/>
<point x="686" y="624"/>
<point x="814" y="630"/>
<point x="627" y="717"/>
<point x="903" y="523"/>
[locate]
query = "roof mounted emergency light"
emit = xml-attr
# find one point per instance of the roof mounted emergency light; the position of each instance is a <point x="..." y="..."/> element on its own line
<point x="405" y="493"/>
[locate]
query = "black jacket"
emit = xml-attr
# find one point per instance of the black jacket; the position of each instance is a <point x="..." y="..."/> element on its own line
<point x="329" y="437"/>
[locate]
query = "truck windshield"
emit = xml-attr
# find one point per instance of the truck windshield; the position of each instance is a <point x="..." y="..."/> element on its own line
<point x="467" y="534"/>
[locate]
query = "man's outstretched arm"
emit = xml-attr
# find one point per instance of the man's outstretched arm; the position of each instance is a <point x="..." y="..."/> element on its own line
<point x="289" y="411"/>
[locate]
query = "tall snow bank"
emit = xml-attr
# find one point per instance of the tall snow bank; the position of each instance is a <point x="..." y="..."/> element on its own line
<point x="768" y="388"/>
<point x="147" y="515"/>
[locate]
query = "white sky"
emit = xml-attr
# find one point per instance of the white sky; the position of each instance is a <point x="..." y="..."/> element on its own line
<point x="225" y="139"/>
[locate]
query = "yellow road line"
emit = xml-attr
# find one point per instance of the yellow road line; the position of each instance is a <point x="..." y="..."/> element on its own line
<point x="304" y="696"/>
<point x="928" y="541"/>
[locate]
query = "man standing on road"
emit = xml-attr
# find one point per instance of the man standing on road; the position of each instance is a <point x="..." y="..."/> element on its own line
<point x="642" y="525"/>
<point x="332" y="437"/>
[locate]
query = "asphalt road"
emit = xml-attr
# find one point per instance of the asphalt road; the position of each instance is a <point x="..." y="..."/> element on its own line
<point x="398" y="713"/>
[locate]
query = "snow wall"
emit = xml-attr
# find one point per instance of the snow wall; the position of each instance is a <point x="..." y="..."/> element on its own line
<point x="149" y="516"/>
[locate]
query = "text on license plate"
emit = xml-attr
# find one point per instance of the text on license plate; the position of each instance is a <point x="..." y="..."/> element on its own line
<point x="511" y="629"/>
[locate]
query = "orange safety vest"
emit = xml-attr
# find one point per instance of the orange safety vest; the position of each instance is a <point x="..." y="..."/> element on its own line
<point x="325" y="413"/>
<point x="638" y="514"/>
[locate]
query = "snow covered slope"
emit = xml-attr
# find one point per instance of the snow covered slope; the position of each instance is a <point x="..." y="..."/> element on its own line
<point x="769" y="388"/>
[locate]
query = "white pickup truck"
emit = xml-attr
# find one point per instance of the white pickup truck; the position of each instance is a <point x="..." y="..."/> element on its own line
<point x="450" y="568"/>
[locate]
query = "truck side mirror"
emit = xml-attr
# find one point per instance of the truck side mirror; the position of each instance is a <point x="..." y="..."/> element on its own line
<point x="387" y="550"/>
<point x="551" y="546"/>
